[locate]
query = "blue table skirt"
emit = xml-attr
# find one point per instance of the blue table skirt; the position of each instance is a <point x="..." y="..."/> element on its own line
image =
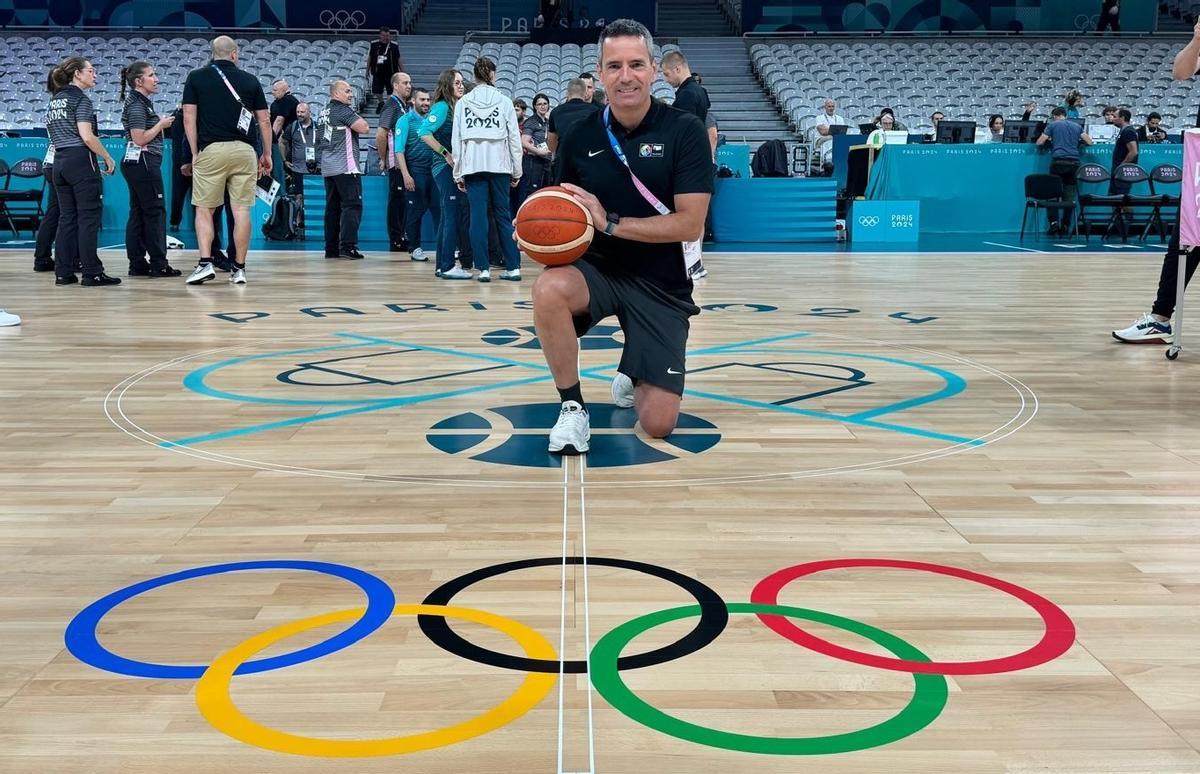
<point x="981" y="188"/>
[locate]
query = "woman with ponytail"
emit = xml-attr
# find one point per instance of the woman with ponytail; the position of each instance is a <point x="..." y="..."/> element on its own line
<point x="437" y="132"/>
<point x="141" y="166"/>
<point x="71" y="125"/>
<point x="487" y="152"/>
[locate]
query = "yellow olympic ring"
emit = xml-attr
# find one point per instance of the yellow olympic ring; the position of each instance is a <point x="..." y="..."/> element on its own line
<point x="216" y="705"/>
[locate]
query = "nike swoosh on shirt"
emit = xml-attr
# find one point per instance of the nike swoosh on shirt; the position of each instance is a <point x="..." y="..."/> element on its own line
<point x="594" y="153"/>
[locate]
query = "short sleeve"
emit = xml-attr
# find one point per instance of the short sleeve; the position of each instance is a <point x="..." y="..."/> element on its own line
<point x="258" y="100"/>
<point x="550" y="126"/>
<point x="189" y="89"/>
<point x="693" y="166"/>
<point x="84" y="110"/>
<point x="139" y="116"/>
<point x="437" y="116"/>
<point x="402" y="130"/>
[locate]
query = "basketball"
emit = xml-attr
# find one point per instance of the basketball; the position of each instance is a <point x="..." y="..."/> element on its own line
<point x="552" y="228"/>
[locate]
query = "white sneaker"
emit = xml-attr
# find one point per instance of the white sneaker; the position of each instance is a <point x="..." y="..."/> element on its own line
<point x="418" y="255"/>
<point x="622" y="391"/>
<point x="201" y="274"/>
<point x="457" y="273"/>
<point x="513" y="275"/>
<point x="238" y="277"/>
<point x="1145" y="330"/>
<point x="173" y="243"/>
<point x="571" y="433"/>
<point x="485" y="275"/>
<point x="7" y="319"/>
<point x="698" y="271"/>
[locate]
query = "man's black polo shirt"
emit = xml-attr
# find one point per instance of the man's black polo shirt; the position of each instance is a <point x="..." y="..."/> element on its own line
<point x="692" y="98"/>
<point x="568" y="114"/>
<point x="670" y="154"/>
<point x="284" y="106"/>
<point x="216" y="110"/>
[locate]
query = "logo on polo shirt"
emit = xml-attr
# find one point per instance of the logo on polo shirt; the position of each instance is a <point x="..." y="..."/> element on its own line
<point x="648" y="150"/>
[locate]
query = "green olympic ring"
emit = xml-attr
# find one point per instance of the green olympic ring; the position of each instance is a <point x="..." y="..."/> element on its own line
<point x="929" y="696"/>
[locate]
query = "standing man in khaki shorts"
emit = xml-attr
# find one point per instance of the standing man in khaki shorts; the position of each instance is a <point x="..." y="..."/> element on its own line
<point x="221" y="104"/>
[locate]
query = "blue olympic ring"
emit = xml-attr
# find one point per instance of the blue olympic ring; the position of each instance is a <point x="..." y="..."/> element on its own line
<point x="82" y="642"/>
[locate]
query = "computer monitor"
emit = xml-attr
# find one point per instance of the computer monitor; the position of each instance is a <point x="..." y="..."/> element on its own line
<point x="955" y="132"/>
<point x="867" y="128"/>
<point x="894" y="137"/>
<point x="1080" y="121"/>
<point x="1023" y="131"/>
<point x="1103" y="132"/>
<point x="836" y="129"/>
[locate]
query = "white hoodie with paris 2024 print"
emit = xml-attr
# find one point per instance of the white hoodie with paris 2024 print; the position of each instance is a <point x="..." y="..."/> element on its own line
<point x="486" y="136"/>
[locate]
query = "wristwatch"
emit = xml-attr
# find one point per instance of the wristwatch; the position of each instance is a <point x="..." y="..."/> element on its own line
<point x="611" y="225"/>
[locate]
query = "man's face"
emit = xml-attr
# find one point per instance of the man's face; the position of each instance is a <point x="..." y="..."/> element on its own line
<point x="830" y="106"/>
<point x="937" y="117"/>
<point x="627" y="71"/>
<point x="520" y="112"/>
<point x="302" y="112"/>
<point x="385" y="36"/>
<point x="403" y="87"/>
<point x="589" y="89"/>
<point x="279" y="89"/>
<point x="673" y="75"/>
<point x="422" y="103"/>
<point x="1153" y="123"/>
<point x="1110" y="117"/>
<point x="342" y="93"/>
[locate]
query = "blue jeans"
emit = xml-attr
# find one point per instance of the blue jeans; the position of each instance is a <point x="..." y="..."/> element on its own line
<point x="448" y="194"/>
<point x="488" y="194"/>
<point x="418" y="201"/>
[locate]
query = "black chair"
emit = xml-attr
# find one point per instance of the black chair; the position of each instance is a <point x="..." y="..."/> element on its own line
<point x="1095" y="174"/>
<point x="22" y="203"/>
<point x="1044" y="192"/>
<point x="1132" y="174"/>
<point x="1165" y="174"/>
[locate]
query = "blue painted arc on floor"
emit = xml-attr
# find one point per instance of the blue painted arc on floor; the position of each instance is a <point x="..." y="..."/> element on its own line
<point x="525" y="337"/>
<point x="614" y="443"/>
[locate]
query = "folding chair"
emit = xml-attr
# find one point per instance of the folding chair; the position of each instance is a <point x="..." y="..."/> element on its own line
<point x="1095" y="174"/>
<point x="1045" y="192"/>
<point x="1165" y="174"/>
<point x="1134" y="174"/>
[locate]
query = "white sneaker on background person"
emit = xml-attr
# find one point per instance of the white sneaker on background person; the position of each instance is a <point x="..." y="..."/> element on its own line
<point x="8" y="319"/>
<point x="572" y="433"/>
<point x="202" y="273"/>
<point x="419" y="256"/>
<point x="512" y="275"/>
<point x="173" y="243"/>
<point x="457" y="273"/>
<point x="238" y="277"/>
<point x="485" y="275"/>
<point x="1146" y="329"/>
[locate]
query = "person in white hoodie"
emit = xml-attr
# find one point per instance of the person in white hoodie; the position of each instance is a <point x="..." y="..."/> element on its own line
<point x="486" y="146"/>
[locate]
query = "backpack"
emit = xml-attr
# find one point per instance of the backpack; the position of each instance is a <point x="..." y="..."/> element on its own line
<point x="771" y="160"/>
<point x="284" y="223"/>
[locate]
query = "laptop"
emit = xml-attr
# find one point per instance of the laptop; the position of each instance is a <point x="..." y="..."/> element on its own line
<point x="836" y="129"/>
<point x="1103" y="132"/>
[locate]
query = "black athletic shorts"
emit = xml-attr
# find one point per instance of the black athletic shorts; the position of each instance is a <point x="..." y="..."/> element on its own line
<point x="654" y="322"/>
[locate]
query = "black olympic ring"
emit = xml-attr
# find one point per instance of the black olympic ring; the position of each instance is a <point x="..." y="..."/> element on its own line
<point x="714" y="616"/>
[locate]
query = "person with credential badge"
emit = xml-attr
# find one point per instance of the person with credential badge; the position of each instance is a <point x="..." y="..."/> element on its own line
<point x="437" y="131"/>
<point x="414" y="159"/>
<point x="396" y="106"/>
<point x="624" y="166"/>
<point x="338" y="134"/>
<point x="141" y="166"/>
<point x="71" y="126"/>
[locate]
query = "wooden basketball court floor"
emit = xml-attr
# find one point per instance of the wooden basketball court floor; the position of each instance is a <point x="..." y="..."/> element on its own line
<point x="969" y="520"/>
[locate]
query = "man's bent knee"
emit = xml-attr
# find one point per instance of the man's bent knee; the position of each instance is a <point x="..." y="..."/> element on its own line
<point x="560" y="285"/>
<point x="659" y="424"/>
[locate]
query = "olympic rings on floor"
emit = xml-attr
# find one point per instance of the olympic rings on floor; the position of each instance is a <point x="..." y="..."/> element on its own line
<point x="927" y="702"/>
<point x="215" y="703"/>
<point x="713" y="618"/>
<point x="1057" y="639"/>
<point x="82" y="641"/>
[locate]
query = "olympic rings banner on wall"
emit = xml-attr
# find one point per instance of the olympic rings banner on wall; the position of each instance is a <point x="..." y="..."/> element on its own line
<point x="605" y="665"/>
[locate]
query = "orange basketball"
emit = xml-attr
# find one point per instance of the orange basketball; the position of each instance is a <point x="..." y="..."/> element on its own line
<point x="552" y="228"/>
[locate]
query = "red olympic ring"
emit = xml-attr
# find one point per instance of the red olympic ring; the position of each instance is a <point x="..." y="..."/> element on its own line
<point x="1057" y="639"/>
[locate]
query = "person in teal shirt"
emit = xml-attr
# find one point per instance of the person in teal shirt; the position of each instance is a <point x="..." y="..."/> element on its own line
<point x="437" y="132"/>
<point x="414" y="159"/>
<point x="1073" y="104"/>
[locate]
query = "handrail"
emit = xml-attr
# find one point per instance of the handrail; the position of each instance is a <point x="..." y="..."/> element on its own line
<point x="959" y="34"/>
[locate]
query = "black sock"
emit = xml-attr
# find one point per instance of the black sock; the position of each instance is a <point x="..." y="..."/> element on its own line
<point x="572" y="393"/>
<point x="204" y="261"/>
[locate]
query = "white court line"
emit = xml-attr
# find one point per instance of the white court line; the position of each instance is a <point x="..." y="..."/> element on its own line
<point x="1014" y="247"/>
<point x="587" y="613"/>
<point x="112" y="247"/>
<point x="562" y="616"/>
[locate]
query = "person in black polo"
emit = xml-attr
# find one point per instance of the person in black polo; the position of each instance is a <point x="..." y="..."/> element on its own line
<point x="569" y="113"/>
<point x="635" y="266"/>
<point x="690" y="97"/>
<point x="383" y="61"/>
<point x="221" y="105"/>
